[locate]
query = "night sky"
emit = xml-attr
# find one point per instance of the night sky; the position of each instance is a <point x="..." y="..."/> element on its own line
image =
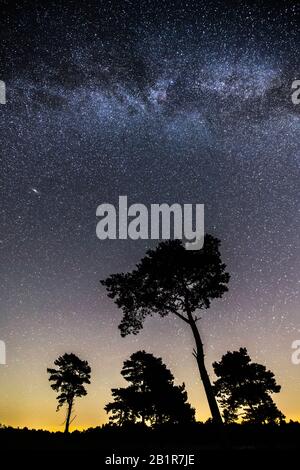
<point x="167" y="101"/>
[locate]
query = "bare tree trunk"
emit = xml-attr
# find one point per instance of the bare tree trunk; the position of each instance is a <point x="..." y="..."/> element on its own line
<point x="199" y="355"/>
<point x="70" y="405"/>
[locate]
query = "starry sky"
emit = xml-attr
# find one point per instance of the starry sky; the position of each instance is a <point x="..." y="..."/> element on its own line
<point x="168" y="101"/>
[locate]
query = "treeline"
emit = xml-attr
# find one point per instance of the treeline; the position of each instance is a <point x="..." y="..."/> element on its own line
<point x="243" y="389"/>
<point x="192" y="438"/>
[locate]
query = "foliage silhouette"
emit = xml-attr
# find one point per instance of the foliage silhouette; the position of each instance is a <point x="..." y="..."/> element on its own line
<point x="244" y="388"/>
<point x="68" y="380"/>
<point x="172" y="280"/>
<point x="151" y="396"/>
<point x="242" y="441"/>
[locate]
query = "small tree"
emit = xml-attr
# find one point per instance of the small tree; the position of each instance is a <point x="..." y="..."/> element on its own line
<point x="151" y="396"/>
<point x="176" y="281"/>
<point x="244" y="388"/>
<point x="68" y="380"/>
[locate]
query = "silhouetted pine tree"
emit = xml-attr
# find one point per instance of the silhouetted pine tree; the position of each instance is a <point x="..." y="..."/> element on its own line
<point x="68" y="380"/>
<point x="243" y="389"/>
<point x="151" y="395"/>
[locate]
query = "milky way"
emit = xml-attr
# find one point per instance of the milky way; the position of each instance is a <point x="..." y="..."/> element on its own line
<point x="162" y="103"/>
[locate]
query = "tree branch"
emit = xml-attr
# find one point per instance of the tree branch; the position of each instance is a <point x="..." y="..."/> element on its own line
<point x="182" y="317"/>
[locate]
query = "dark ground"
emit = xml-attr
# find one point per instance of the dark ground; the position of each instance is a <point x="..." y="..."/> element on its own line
<point x="236" y="445"/>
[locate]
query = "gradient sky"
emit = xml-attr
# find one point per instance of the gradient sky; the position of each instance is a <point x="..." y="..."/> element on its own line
<point x="185" y="102"/>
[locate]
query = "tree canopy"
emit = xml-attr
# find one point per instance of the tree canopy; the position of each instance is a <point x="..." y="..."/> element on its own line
<point x="151" y="395"/>
<point x="244" y="389"/>
<point x="169" y="279"/>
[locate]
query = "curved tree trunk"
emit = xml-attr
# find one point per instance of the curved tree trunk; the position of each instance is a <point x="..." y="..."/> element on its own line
<point x="199" y="355"/>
